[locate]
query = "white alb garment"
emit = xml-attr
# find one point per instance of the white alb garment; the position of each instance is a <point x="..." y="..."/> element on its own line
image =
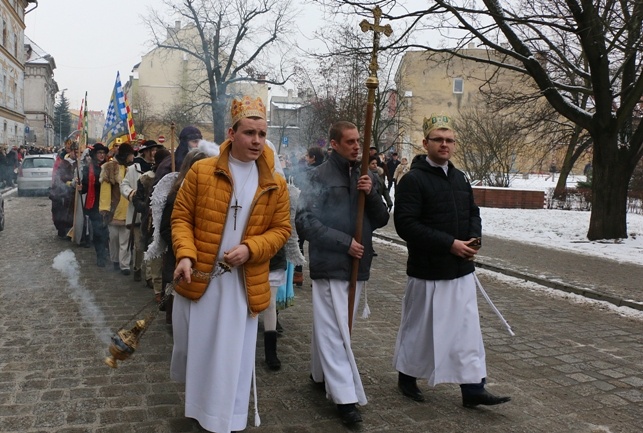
<point x="215" y="338"/>
<point x="332" y="359"/>
<point x="439" y="337"/>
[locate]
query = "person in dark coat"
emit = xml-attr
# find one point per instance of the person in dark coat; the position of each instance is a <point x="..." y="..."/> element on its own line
<point x="62" y="194"/>
<point x="439" y="339"/>
<point x="91" y="187"/>
<point x="391" y="166"/>
<point x="326" y="218"/>
<point x="188" y="139"/>
<point x="314" y="157"/>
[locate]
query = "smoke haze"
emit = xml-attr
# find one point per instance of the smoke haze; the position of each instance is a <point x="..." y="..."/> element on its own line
<point x="66" y="264"/>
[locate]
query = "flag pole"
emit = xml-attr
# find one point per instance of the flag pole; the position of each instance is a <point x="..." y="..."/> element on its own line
<point x="371" y="84"/>
<point x="78" y="148"/>
<point x="172" y="131"/>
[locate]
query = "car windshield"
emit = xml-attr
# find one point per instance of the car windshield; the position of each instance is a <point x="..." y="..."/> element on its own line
<point x="38" y="163"/>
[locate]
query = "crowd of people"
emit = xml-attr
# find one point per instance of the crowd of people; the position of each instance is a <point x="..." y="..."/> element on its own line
<point x="224" y="227"/>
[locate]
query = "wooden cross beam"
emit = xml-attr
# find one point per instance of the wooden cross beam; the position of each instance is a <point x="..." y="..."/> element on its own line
<point x="377" y="29"/>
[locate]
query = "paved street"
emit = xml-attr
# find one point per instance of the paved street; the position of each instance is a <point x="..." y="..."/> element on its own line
<point x="570" y="368"/>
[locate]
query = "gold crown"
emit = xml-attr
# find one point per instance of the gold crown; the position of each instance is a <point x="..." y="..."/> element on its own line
<point x="246" y="107"/>
<point x="436" y="121"/>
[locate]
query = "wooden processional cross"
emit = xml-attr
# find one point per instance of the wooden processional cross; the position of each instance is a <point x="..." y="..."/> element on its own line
<point x="371" y="84"/>
<point x="377" y="29"/>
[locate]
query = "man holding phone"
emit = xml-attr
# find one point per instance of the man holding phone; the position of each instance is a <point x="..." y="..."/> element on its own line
<point x="439" y="337"/>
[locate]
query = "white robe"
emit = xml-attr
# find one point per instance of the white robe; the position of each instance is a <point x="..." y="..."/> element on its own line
<point x="215" y="337"/>
<point x="332" y="358"/>
<point x="439" y="337"/>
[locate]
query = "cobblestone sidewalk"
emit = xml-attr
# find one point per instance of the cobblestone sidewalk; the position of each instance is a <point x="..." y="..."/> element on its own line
<point x="570" y="368"/>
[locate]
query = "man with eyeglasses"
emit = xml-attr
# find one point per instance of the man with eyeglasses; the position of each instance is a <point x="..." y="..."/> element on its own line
<point x="439" y="339"/>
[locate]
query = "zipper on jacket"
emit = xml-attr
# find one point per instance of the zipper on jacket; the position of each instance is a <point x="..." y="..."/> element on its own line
<point x="245" y="282"/>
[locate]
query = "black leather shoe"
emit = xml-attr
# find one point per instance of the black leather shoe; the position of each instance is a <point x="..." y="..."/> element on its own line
<point x="408" y="386"/>
<point x="125" y="271"/>
<point x="349" y="414"/>
<point x="485" y="399"/>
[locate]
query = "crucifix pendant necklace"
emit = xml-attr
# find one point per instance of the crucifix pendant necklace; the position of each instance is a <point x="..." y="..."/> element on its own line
<point x="236" y="207"/>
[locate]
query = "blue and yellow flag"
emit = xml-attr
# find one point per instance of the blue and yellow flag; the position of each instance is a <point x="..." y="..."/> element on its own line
<point x="116" y="118"/>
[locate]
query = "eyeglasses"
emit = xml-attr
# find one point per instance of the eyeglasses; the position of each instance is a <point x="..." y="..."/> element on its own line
<point x="441" y="140"/>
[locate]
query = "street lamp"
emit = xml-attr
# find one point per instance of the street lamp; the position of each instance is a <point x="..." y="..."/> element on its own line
<point x="60" y="121"/>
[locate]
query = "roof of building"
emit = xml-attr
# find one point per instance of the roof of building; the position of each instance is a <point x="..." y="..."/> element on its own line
<point x="287" y="102"/>
<point x="38" y="55"/>
<point x="286" y="105"/>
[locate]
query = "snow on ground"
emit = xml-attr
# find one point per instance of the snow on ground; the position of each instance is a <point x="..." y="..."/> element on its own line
<point x="559" y="228"/>
<point x="564" y="230"/>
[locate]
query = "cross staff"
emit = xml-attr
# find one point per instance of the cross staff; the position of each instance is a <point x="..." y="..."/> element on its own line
<point x="371" y="84"/>
<point x="172" y="132"/>
<point x="377" y="29"/>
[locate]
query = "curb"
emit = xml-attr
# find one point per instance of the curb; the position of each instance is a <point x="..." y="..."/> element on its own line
<point x="6" y="192"/>
<point x="569" y="288"/>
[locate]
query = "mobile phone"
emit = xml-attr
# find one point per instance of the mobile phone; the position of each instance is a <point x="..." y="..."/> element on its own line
<point x="475" y="243"/>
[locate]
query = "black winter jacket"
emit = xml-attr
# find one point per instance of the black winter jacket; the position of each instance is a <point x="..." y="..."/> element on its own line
<point x="327" y="215"/>
<point x="431" y="210"/>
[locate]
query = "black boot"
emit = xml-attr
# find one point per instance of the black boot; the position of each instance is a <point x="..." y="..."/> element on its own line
<point x="270" y="345"/>
<point x="408" y="385"/>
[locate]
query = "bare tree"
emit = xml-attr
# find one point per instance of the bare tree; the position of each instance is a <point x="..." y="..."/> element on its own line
<point x="141" y="112"/>
<point x="339" y="91"/>
<point x="231" y="43"/>
<point x="180" y="114"/>
<point x="492" y="141"/>
<point x="543" y="39"/>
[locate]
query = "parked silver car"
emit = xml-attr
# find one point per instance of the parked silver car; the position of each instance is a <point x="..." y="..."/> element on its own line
<point x="35" y="174"/>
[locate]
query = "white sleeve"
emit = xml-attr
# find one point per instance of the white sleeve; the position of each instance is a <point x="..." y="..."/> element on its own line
<point x="126" y="184"/>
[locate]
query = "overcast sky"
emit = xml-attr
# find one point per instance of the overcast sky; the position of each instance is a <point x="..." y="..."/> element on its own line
<point x="91" y="40"/>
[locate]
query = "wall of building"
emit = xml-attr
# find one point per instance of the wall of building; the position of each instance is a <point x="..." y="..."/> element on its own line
<point x="438" y="83"/>
<point x="39" y="99"/>
<point x="164" y="78"/>
<point x="12" y="117"/>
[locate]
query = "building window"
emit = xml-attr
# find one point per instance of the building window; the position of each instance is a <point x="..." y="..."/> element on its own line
<point x="458" y="85"/>
<point x="4" y="33"/>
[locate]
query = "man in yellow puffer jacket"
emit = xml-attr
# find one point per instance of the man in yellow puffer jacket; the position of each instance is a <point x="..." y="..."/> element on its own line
<point x="232" y="208"/>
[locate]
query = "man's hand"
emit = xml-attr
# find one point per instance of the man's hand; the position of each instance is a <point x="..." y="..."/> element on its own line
<point x="365" y="184"/>
<point x="356" y="250"/>
<point x="237" y="256"/>
<point x="183" y="270"/>
<point x="462" y="249"/>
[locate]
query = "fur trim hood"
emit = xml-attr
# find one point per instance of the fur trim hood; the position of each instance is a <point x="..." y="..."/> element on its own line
<point x="110" y="173"/>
